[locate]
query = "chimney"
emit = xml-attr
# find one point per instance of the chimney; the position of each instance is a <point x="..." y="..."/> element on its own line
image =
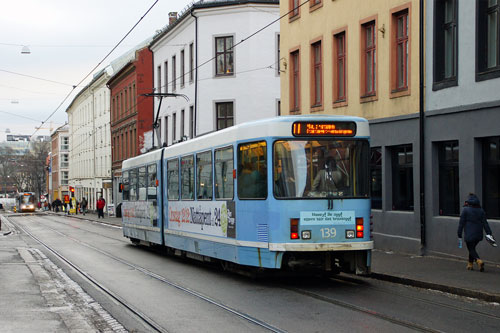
<point x="172" y="17"/>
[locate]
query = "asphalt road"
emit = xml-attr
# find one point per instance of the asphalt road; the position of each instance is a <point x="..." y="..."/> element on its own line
<point x="182" y="295"/>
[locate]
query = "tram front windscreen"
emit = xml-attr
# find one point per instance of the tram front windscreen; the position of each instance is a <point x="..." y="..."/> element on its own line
<point x="321" y="169"/>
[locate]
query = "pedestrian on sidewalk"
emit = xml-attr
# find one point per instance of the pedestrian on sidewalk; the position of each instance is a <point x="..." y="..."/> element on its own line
<point x="472" y="222"/>
<point x="83" y="204"/>
<point x="101" y="203"/>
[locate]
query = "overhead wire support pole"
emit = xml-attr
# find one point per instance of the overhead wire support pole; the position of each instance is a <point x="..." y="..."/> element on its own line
<point x="155" y="117"/>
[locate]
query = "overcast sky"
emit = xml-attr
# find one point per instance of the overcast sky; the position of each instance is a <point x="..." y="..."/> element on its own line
<point x="67" y="38"/>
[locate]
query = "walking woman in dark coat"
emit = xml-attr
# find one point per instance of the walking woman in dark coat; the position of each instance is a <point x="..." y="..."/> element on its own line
<point x="473" y="221"/>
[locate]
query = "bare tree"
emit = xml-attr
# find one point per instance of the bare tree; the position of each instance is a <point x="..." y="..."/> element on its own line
<point x="7" y="169"/>
<point x="35" y="168"/>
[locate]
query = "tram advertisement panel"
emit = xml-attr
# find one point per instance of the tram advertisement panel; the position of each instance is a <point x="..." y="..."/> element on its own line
<point x="140" y="212"/>
<point x="214" y="218"/>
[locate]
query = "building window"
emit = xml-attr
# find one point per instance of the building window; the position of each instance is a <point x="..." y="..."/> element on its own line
<point x="158" y="80"/>
<point x="182" y="69"/>
<point x="174" y="122"/>
<point x="165" y="134"/>
<point x="130" y="100"/>
<point x="339" y="67"/>
<point x="127" y="105"/>
<point x="449" y="198"/>
<point x="113" y="108"/>
<point x="133" y="97"/>
<point x="294" y="8"/>
<point x="491" y="177"/>
<point x="376" y="177"/>
<point x="225" y="117"/>
<point x="64" y="177"/>
<point x="369" y="56"/>
<point x="313" y="4"/>
<point x="317" y="75"/>
<point x="191" y="62"/>
<point x="445" y="44"/>
<point x="126" y="145"/>
<point x="191" y="122"/>
<point x="174" y="74"/>
<point x="488" y="39"/>
<point x="183" y="116"/>
<point x="295" y="81"/>
<point x="65" y="143"/>
<point x="224" y="64"/>
<point x="402" y="178"/>
<point x="122" y="103"/>
<point x="166" y="76"/>
<point x="157" y="131"/>
<point x="400" y="26"/>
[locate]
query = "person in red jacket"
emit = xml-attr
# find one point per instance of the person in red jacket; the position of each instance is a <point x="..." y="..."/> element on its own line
<point x="100" y="207"/>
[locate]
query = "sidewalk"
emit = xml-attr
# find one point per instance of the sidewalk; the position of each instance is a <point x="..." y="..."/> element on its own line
<point x="37" y="296"/>
<point x="443" y="274"/>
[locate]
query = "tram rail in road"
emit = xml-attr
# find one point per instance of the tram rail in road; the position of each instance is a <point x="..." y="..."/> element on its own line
<point x="308" y="293"/>
<point x="149" y="321"/>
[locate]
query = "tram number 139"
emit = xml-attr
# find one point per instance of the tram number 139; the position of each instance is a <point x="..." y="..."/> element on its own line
<point x="328" y="232"/>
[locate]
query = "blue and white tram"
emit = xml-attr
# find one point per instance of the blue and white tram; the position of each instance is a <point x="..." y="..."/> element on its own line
<point x="282" y="193"/>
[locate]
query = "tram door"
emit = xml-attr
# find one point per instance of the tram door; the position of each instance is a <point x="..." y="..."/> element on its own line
<point x="252" y="189"/>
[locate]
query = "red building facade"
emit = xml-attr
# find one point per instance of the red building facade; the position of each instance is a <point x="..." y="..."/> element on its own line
<point x="131" y="113"/>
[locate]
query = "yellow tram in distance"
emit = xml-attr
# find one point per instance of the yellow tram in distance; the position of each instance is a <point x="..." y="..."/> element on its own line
<point x="26" y="202"/>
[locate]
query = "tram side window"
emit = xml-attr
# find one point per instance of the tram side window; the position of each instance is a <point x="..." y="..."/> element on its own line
<point x="126" y="186"/>
<point x="252" y="170"/>
<point x="152" y="183"/>
<point x="224" y="184"/>
<point x="173" y="179"/>
<point x="143" y="179"/>
<point x="133" y="184"/>
<point x="187" y="177"/>
<point x="204" y="176"/>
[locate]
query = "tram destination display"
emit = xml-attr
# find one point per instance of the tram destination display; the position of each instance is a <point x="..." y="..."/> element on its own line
<point x="324" y="128"/>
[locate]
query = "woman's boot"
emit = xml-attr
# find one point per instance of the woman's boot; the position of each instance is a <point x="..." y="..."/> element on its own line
<point x="480" y="263"/>
<point x="469" y="266"/>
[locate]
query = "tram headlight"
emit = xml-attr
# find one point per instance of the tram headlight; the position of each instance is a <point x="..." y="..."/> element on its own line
<point x="349" y="234"/>
<point x="306" y="234"/>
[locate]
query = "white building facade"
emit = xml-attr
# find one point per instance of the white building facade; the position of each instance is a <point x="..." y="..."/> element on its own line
<point x="90" y="142"/>
<point x="59" y="164"/>
<point x="225" y="82"/>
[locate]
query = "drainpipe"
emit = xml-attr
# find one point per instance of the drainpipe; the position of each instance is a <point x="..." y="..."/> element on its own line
<point x="421" y="128"/>
<point x="195" y="70"/>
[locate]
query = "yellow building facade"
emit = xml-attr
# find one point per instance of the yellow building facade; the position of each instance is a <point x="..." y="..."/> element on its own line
<point x="350" y="57"/>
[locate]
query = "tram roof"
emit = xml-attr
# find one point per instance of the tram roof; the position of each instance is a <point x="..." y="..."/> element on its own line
<point x="254" y="130"/>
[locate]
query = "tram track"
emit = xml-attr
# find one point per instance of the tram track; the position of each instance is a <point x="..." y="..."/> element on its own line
<point x="311" y="294"/>
<point x="360" y="281"/>
<point x="149" y="321"/>
<point x="121" y="239"/>
<point x="377" y="314"/>
<point x="363" y="310"/>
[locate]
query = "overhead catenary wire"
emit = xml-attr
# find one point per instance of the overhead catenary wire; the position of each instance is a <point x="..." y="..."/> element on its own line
<point x="36" y="78"/>
<point x="241" y="41"/>
<point x="197" y="67"/>
<point x="98" y="64"/>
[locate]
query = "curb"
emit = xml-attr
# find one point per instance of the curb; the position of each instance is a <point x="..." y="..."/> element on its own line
<point x="435" y="286"/>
